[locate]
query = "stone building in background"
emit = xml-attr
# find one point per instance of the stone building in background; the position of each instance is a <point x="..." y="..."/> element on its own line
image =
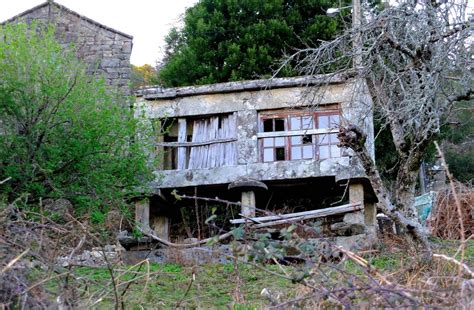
<point x="105" y="50"/>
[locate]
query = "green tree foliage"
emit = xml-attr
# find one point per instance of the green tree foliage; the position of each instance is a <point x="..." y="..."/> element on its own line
<point x="231" y="40"/>
<point x="142" y="76"/>
<point x="62" y="132"/>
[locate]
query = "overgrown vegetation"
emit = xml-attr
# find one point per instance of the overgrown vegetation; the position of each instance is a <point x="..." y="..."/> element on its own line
<point x="394" y="275"/>
<point x="63" y="134"/>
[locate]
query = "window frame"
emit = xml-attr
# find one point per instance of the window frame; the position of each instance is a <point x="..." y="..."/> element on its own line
<point x="315" y="132"/>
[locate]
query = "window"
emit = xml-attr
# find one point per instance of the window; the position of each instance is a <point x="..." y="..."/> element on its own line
<point x="297" y="135"/>
<point x="199" y="142"/>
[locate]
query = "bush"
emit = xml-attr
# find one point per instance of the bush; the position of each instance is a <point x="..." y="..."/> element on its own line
<point x="62" y="133"/>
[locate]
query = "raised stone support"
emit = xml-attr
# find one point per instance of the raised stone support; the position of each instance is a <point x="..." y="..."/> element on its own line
<point x="142" y="213"/>
<point x="368" y="215"/>
<point x="160" y="225"/>
<point x="248" y="204"/>
<point x="356" y="195"/>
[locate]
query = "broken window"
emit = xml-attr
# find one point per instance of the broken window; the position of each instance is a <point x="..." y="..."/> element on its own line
<point x="201" y="142"/>
<point x="297" y="135"/>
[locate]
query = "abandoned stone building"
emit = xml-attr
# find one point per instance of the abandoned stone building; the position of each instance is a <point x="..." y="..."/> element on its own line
<point x="105" y="50"/>
<point x="267" y="145"/>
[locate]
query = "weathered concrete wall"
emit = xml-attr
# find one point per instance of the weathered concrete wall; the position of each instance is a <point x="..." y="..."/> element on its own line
<point x="352" y="96"/>
<point x="105" y="50"/>
<point x="341" y="168"/>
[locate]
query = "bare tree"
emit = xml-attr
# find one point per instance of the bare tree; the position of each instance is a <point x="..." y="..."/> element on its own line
<point x="416" y="57"/>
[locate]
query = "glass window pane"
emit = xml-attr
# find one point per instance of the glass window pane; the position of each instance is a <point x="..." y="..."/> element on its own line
<point x="307" y="151"/>
<point x="323" y="122"/>
<point x="296" y="140"/>
<point x="268" y="125"/>
<point x="334" y="121"/>
<point x="268" y="142"/>
<point x="324" y="152"/>
<point x="335" y="151"/>
<point x="279" y="124"/>
<point x="268" y="155"/>
<point x="333" y="138"/>
<point x="307" y="122"/>
<point x="323" y="139"/>
<point x="295" y="122"/>
<point x="280" y="153"/>
<point x="280" y="141"/>
<point x="296" y="152"/>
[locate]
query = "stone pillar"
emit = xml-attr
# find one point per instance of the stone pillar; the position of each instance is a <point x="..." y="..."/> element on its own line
<point x="370" y="217"/>
<point x="160" y="225"/>
<point x="248" y="204"/>
<point x="356" y="195"/>
<point x="142" y="213"/>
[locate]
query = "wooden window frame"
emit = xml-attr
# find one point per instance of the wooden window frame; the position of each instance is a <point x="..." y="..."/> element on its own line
<point x="315" y="132"/>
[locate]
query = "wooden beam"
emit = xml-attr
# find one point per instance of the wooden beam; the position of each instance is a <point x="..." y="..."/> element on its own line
<point x="302" y="215"/>
<point x="188" y="144"/>
<point x="275" y="134"/>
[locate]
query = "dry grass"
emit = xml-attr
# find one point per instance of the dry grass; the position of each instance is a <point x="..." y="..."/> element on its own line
<point x="397" y="277"/>
<point x="444" y="220"/>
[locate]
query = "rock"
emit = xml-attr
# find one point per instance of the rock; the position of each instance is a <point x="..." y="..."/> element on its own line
<point x="386" y="225"/>
<point x="347" y="229"/>
<point x="59" y="207"/>
<point x="354" y="217"/>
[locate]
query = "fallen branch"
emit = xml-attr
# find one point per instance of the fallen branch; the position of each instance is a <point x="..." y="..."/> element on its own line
<point x="13" y="261"/>
<point x="461" y="265"/>
<point x="149" y="233"/>
<point x="6" y="180"/>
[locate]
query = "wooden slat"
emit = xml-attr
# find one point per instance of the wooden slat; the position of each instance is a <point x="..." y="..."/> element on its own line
<point x="182" y="137"/>
<point x="189" y="144"/>
<point x="303" y="215"/>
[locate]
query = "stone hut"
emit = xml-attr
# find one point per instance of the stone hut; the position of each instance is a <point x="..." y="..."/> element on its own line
<point x="267" y="145"/>
<point x="105" y="50"/>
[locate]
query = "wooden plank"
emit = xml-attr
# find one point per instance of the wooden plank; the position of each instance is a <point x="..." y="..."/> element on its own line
<point x="182" y="137"/>
<point x="318" y="213"/>
<point x="296" y="133"/>
<point x="189" y="144"/>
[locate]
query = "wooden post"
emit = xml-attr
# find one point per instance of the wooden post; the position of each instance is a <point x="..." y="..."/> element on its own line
<point x="159" y="148"/>
<point x="182" y="137"/>
<point x="248" y="204"/>
<point x="142" y="213"/>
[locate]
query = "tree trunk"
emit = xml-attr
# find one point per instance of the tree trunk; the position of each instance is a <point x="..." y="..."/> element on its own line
<point x="353" y="137"/>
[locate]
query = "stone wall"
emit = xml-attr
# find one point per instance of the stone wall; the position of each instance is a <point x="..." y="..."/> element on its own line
<point x="105" y="50"/>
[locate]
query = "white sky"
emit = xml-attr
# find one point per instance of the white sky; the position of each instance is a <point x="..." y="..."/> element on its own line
<point x="148" y="21"/>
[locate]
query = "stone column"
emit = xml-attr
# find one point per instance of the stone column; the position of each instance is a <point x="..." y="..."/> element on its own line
<point x="160" y="225"/>
<point x="248" y="204"/>
<point x="356" y="195"/>
<point x="370" y="217"/>
<point x="142" y="213"/>
<point x="367" y="216"/>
